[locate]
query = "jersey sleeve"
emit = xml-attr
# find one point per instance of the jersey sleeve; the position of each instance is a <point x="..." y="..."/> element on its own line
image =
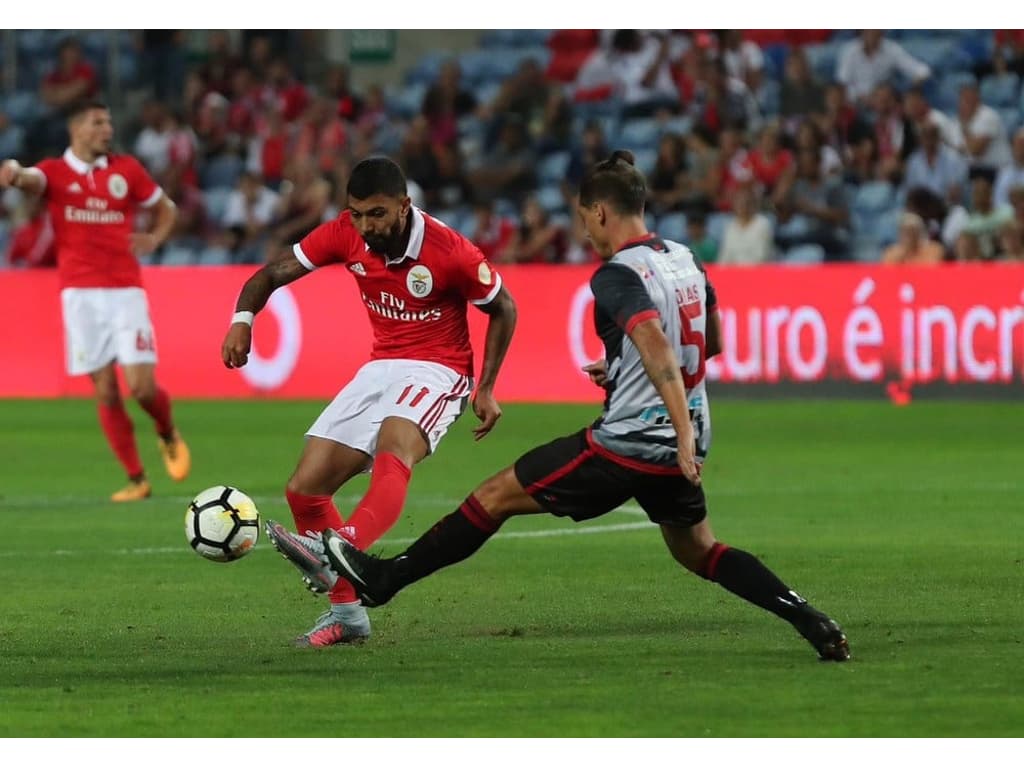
<point x="44" y="171"/>
<point x="330" y="243"/>
<point x="620" y="293"/>
<point x="478" y="281"/>
<point x="143" y="190"/>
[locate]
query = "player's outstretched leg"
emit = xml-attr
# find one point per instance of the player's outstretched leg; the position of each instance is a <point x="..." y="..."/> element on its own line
<point x="155" y="401"/>
<point x="744" y="575"/>
<point x="120" y="433"/>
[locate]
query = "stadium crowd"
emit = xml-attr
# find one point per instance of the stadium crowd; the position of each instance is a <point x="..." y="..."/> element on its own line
<point x="760" y="145"/>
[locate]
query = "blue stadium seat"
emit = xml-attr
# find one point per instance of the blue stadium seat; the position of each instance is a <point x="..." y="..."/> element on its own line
<point x="940" y="53"/>
<point x="638" y="133"/>
<point x="553" y="167"/>
<point x="680" y="125"/>
<point x="221" y="171"/>
<point x="887" y="227"/>
<point x="213" y="256"/>
<point x="177" y="256"/>
<point x="804" y="255"/>
<point x="672" y="226"/>
<point x="822" y="58"/>
<point x="550" y="198"/>
<point x="1001" y="90"/>
<point x="874" y="197"/>
<point x="645" y="159"/>
<point x="949" y="90"/>
<point x="476" y="67"/>
<point x="427" y="68"/>
<point x="407" y="100"/>
<point x="775" y="60"/>
<point x="215" y="200"/>
<point x="1011" y="119"/>
<point x="24" y="107"/>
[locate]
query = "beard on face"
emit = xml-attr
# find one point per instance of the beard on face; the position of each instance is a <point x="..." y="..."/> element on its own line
<point x="385" y="243"/>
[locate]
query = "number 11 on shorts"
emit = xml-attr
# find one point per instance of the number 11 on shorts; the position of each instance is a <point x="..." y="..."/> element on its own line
<point x="416" y="399"/>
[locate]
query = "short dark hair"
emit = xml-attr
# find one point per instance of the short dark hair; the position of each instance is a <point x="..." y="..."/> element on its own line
<point x="376" y="176"/>
<point x="617" y="182"/>
<point x="80" y="107"/>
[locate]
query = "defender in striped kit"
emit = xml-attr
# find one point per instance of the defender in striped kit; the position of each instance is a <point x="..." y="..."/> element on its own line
<point x="656" y="312"/>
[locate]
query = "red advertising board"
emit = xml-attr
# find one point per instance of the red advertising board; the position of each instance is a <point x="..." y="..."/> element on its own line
<point x="962" y="324"/>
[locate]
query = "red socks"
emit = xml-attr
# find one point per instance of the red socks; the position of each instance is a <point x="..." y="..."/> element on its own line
<point x="117" y="426"/>
<point x="313" y="513"/>
<point x="382" y="505"/>
<point x="160" y="409"/>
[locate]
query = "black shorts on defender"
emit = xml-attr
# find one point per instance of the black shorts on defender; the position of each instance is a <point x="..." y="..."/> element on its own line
<point x="574" y="477"/>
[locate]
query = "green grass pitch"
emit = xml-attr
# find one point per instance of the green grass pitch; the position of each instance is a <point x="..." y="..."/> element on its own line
<point x="905" y="524"/>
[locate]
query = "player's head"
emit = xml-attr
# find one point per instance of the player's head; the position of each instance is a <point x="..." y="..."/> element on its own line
<point x="612" y="192"/>
<point x="90" y="127"/>
<point x="378" y="198"/>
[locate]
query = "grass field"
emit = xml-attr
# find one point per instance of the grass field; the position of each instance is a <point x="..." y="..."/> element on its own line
<point x="904" y="524"/>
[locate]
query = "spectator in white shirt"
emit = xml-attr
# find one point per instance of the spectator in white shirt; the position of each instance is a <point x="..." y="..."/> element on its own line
<point x="747" y="239"/>
<point x="1011" y="175"/>
<point x="919" y="111"/>
<point x="864" y="63"/>
<point x="936" y="166"/>
<point x="153" y="144"/>
<point x="743" y="58"/>
<point x="979" y="132"/>
<point x="250" y="210"/>
<point x="636" y="69"/>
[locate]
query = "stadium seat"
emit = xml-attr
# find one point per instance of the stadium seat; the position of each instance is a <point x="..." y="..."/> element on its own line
<point x="214" y="257"/>
<point x="638" y="133"/>
<point x="215" y="200"/>
<point x="550" y="198"/>
<point x="427" y="68"/>
<point x="1001" y="90"/>
<point x="1011" y="119"/>
<point x="23" y="107"/>
<point x="177" y="256"/>
<point x="939" y="53"/>
<point x="804" y="255"/>
<point x="679" y="125"/>
<point x="221" y="171"/>
<point x="645" y="159"/>
<point x="672" y="226"/>
<point x="553" y="167"/>
<point x="407" y="100"/>
<point x="822" y="58"/>
<point x="717" y="222"/>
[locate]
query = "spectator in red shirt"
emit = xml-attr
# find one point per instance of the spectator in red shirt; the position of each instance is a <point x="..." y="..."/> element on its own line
<point x="538" y="240"/>
<point x="290" y="93"/>
<point x="769" y="160"/>
<point x="32" y="242"/>
<point x="322" y="135"/>
<point x="491" y="233"/>
<point x="338" y="87"/>
<point x="72" y="79"/>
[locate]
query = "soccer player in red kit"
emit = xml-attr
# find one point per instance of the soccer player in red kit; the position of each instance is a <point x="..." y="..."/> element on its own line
<point x="92" y="195"/>
<point x="415" y="277"/>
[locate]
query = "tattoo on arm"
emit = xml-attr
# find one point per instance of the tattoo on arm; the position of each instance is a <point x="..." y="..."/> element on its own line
<point x="272" y="276"/>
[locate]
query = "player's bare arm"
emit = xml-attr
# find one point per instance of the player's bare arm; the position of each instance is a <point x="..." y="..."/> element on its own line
<point x="165" y="213"/>
<point x="502" y="311"/>
<point x="254" y="296"/>
<point x="713" y="335"/>
<point x="12" y="174"/>
<point x="663" y="368"/>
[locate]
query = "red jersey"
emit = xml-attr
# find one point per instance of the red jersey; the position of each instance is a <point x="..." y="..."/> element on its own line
<point x="416" y="304"/>
<point x="92" y="207"/>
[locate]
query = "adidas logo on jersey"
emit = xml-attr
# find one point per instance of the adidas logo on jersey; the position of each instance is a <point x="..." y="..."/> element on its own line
<point x="75" y="187"/>
<point x="359" y="269"/>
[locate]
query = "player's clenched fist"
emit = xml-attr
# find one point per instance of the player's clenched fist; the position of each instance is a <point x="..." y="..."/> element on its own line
<point x="237" y="344"/>
<point x="9" y="171"/>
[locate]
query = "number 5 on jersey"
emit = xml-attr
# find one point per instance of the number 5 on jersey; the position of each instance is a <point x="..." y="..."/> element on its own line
<point x="692" y="324"/>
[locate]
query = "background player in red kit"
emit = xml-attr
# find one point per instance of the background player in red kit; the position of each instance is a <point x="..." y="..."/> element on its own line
<point x="92" y="196"/>
<point x="415" y="277"/>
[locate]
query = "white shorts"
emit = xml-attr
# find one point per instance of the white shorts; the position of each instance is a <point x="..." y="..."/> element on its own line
<point x="106" y="324"/>
<point x="428" y="394"/>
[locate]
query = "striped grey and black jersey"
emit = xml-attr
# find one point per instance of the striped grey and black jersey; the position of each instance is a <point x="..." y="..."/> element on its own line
<point x="649" y="279"/>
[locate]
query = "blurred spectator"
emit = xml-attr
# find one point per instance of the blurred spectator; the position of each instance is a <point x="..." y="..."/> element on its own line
<point x="634" y="69"/>
<point x="1017" y="205"/>
<point x="698" y="239"/>
<point x="191" y="227"/>
<point x="919" y="111"/>
<point x="491" y="233"/>
<point x="32" y="242"/>
<point x="721" y="101"/>
<point x="301" y="207"/>
<point x="592" y="149"/>
<point x="768" y="160"/>
<point x="291" y="95"/>
<point x="508" y="171"/>
<point x="12" y="138"/>
<point x="346" y="103"/>
<point x="419" y="160"/>
<point x="153" y="144"/>
<point x="266" y="150"/>
<point x="734" y="168"/>
<point x="984" y="219"/>
<point x="452" y="188"/>
<point x="522" y="98"/>
<point x="668" y="184"/>
<point x="537" y="240"/>
<point x="259" y="55"/>
<point x="1011" y="242"/>
<point x="72" y="79"/>
<point x="248" y="216"/>
<point x="164" y="63"/>
<point x="1012" y="174"/>
<point x="246" y="103"/>
<point x="554" y="131"/>
<point x="913" y="245"/>
<point x="702" y="167"/>
<point x="979" y="132"/>
<point x="936" y="166"/>
<point x="809" y="137"/>
<point x="801" y="93"/>
<point x="839" y="127"/>
<point x="747" y="239"/>
<point x="322" y="135"/>
<point x="211" y="126"/>
<point x="968" y="248"/>
<point x="942" y="222"/>
<point x="870" y="60"/>
<point x="445" y="102"/>
<point x="863" y="165"/>
<point x="894" y="136"/>
<point x="219" y="63"/>
<point x="580" y="249"/>
<point x="743" y="59"/>
<point x="812" y="208"/>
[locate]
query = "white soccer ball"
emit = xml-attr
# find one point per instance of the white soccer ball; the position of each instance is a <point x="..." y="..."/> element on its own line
<point x="222" y="524"/>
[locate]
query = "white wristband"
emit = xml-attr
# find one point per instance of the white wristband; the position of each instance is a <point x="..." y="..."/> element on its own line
<point x="243" y="317"/>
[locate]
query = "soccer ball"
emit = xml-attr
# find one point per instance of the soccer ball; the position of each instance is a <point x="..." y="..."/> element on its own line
<point x="222" y="523"/>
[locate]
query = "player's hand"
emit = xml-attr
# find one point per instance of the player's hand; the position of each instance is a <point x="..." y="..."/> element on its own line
<point x="598" y="372"/>
<point x="686" y="458"/>
<point x="487" y="410"/>
<point x="9" y="172"/>
<point x="238" y="342"/>
<point x="143" y="243"/>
